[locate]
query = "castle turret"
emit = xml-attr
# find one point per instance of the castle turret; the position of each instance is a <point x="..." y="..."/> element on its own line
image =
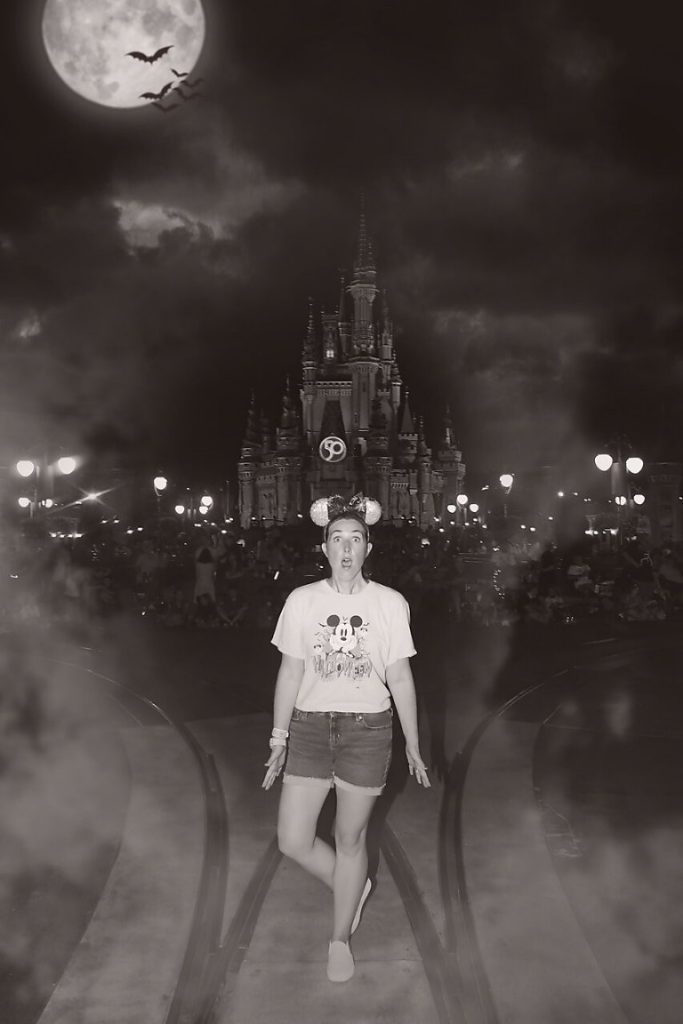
<point x="363" y="290"/>
<point x="407" y="434"/>
<point x="288" y="433"/>
<point x="330" y="324"/>
<point x="343" y="322"/>
<point x="309" y="359"/>
<point x="247" y="467"/>
<point x="450" y="460"/>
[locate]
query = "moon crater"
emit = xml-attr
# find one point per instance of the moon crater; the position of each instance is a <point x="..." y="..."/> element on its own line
<point x="88" y="42"/>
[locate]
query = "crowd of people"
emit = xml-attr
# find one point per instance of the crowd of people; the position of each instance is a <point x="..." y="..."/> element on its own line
<point x="223" y="578"/>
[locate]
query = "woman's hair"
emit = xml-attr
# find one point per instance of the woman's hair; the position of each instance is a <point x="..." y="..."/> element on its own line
<point x="351" y="514"/>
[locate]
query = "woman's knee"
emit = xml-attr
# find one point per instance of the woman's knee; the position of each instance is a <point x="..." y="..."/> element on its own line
<point x="350" y="842"/>
<point x="292" y="843"/>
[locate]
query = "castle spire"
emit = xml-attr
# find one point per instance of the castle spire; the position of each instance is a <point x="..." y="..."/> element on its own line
<point x="251" y="443"/>
<point x="363" y="290"/>
<point x="362" y="255"/>
<point x="407" y="424"/>
<point x="341" y="311"/>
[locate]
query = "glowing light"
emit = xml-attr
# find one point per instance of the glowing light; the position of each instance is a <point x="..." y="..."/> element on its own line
<point x="462" y="499"/>
<point x="207" y="501"/>
<point x="560" y="494"/>
<point x="160" y="483"/>
<point x="48" y="503"/>
<point x="93" y="496"/>
<point x="604" y="461"/>
<point x="506" y="480"/>
<point x="203" y="510"/>
<point x="620" y="500"/>
<point x="451" y="508"/>
<point x="634" y="464"/>
<point x="66" y="465"/>
<point x="23" y="502"/>
<point x="25" y="467"/>
<point x="474" y="507"/>
<point x="639" y="499"/>
<point x="180" y="509"/>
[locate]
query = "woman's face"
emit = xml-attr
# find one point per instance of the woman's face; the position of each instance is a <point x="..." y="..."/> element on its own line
<point x="346" y="548"/>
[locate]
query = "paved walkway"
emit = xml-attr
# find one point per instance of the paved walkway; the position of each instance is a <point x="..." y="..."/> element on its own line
<point x="126" y="967"/>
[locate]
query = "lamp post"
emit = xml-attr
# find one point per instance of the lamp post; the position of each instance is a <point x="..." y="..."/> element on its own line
<point x="620" y="467"/>
<point x="506" y="481"/>
<point x="160" y="485"/>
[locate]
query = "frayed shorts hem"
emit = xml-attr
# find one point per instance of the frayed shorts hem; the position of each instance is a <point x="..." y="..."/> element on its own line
<point x="335" y="781"/>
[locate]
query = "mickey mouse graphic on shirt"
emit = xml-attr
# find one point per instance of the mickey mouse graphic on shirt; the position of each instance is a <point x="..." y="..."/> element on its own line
<point x="340" y="648"/>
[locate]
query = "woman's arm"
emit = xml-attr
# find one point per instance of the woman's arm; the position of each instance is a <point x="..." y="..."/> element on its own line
<point x="287" y="686"/>
<point x="402" y="687"/>
<point x="289" y="677"/>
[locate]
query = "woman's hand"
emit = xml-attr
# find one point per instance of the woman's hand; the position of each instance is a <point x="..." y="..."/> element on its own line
<point x="274" y="766"/>
<point x="416" y="766"/>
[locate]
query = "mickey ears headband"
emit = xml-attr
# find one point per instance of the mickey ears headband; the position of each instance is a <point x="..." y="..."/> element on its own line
<point x="324" y="510"/>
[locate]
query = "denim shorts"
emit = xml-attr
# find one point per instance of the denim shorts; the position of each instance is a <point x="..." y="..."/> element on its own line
<point x="348" y="749"/>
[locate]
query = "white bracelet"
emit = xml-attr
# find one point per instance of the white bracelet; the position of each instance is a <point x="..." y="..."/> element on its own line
<point x="281" y="733"/>
<point x="275" y="742"/>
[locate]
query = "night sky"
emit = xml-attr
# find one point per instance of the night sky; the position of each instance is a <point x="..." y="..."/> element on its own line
<point x="521" y="163"/>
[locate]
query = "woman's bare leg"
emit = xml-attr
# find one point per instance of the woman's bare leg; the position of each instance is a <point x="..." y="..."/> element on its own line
<point x="351" y="864"/>
<point x="300" y="807"/>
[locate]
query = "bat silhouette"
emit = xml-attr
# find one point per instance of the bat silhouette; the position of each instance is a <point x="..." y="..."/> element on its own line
<point x="186" y="95"/>
<point x="178" y="74"/>
<point x="156" y="95"/>
<point x="154" y="57"/>
<point x="191" y="85"/>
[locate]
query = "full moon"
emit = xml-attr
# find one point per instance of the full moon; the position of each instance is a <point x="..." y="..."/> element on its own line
<point x="88" y="42"/>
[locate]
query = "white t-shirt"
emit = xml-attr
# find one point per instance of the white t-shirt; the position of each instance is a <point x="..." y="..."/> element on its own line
<point x="346" y="642"/>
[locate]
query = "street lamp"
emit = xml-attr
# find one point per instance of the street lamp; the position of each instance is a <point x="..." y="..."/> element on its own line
<point x="25" y="467"/>
<point x="160" y="485"/>
<point x="66" y="465"/>
<point x="619" y="468"/>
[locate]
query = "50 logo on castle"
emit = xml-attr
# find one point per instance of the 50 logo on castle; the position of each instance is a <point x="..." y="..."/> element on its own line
<point x="332" y="449"/>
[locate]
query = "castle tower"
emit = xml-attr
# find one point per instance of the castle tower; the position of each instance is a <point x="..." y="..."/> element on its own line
<point x="450" y="461"/>
<point x="364" y="362"/>
<point x="354" y="426"/>
<point x="250" y="455"/>
<point x="363" y="289"/>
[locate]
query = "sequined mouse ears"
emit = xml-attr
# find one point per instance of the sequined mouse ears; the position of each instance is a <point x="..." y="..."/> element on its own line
<point x="324" y="510"/>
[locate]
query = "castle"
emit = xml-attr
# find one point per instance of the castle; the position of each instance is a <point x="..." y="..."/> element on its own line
<point x="352" y="428"/>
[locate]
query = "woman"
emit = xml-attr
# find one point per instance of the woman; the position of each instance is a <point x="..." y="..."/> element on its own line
<point x="345" y="643"/>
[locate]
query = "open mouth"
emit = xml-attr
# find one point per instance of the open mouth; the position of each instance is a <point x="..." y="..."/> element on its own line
<point x="346" y="563"/>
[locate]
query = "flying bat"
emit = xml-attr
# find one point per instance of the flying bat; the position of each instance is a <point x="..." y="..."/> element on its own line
<point x="156" y="95"/>
<point x="155" y="56"/>
<point x="178" y="74"/>
<point x="186" y="95"/>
